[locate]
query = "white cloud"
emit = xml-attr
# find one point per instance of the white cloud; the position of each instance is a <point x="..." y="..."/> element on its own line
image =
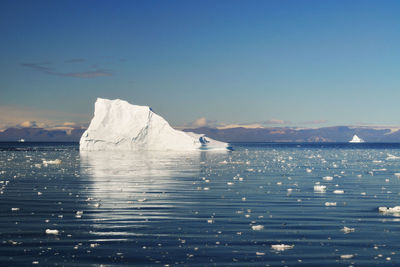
<point x="11" y="116"/>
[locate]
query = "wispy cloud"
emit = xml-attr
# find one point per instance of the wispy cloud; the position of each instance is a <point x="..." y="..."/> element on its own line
<point x="46" y="69"/>
<point x="38" y="66"/>
<point x="314" y="122"/>
<point x="274" y="122"/>
<point x="83" y="74"/>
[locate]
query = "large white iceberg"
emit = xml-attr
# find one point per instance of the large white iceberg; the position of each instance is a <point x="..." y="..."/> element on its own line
<point x="356" y="139"/>
<point x="118" y="125"/>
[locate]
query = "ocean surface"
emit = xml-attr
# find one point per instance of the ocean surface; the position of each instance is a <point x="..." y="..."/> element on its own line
<point x="259" y="205"/>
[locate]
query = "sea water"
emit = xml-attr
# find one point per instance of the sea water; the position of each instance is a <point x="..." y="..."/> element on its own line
<point x="261" y="204"/>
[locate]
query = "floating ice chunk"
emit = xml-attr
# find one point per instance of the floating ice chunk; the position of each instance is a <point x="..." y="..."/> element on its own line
<point x="392" y="157"/>
<point x="308" y="170"/>
<point x="338" y="192"/>
<point x="347" y="230"/>
<point x="397" y="174"/>
<point x="118" y="125"/>
<point x="328" y="204"/>
<point x="319" y="188"/>
<point x="257" y="227"/>
<point x="346" y="256"/>
<point x="260" y="253"/>
<point x="356" y="139"/>
<point x="386" y="210"/>
<point x="52" y="232"/>
<point x="14" y="209"/>
<point x="210" y="221"/>
<point x="281" y="247"/>
<point x="327" y="178"/>
<point x="55" y="162"/>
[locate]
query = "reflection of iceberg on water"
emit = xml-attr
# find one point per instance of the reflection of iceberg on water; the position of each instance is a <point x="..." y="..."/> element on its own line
<point x="118" y="125"/>
<point x="128" y="188"/>
<point x="128" y="185"/>
<point x="125" y="174"/>
<point x="356" y="139"/>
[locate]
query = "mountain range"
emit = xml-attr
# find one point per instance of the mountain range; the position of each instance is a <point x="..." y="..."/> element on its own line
<point x="237" y="134"/>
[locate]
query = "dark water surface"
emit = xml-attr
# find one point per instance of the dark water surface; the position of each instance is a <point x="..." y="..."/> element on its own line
<point x="202" y="208"/>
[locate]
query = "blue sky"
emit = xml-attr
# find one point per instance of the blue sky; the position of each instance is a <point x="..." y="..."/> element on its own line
<point x="297" y="63"/>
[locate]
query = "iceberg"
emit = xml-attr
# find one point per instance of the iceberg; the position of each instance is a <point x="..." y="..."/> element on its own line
<point x="118" y="125"/>
<point x="356" y="139"/>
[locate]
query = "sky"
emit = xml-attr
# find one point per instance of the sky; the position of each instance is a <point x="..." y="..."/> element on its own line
<point x="272" y="63"/>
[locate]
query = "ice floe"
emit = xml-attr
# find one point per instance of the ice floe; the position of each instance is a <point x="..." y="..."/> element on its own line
<point x="257" y="227"/>
<point x="329" y="204"/>
<point x="319" y="188"/>
<point x="338" y="191"/>
<point x="346" y="256"/>
<point x="392" y="157"/>
<point x="51" y="162"/>
<point x="52" y="232"/>
<point x="386" y="210"/>
<point x="281" y="247"/>
<point x="347" y="230"/>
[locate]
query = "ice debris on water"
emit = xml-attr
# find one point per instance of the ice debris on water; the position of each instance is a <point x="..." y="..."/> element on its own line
<point x="347" y="230"/>
<point x="328" y="178"/>
<point x="328" y="204"/>
<point x="51" y="162"/>
<point x="52" y="232"/>
<point x="393" y="210"/>
<point x="257" y="227"/>
<point x="346" y="256"/>
<point x="338" y="192"/>
<point x="281" y="247"/>
<point x="392" y="157"/>
<point x="14" y="209"/>
<point x="319" y="188"/>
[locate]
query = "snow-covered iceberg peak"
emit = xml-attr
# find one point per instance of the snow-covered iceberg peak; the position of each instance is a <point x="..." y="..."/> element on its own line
<point x="356" y="139"/>
<point x="118" y="125"/>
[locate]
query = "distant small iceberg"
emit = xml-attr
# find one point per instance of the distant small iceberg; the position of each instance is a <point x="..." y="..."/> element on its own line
<point x="356" y="139"/>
